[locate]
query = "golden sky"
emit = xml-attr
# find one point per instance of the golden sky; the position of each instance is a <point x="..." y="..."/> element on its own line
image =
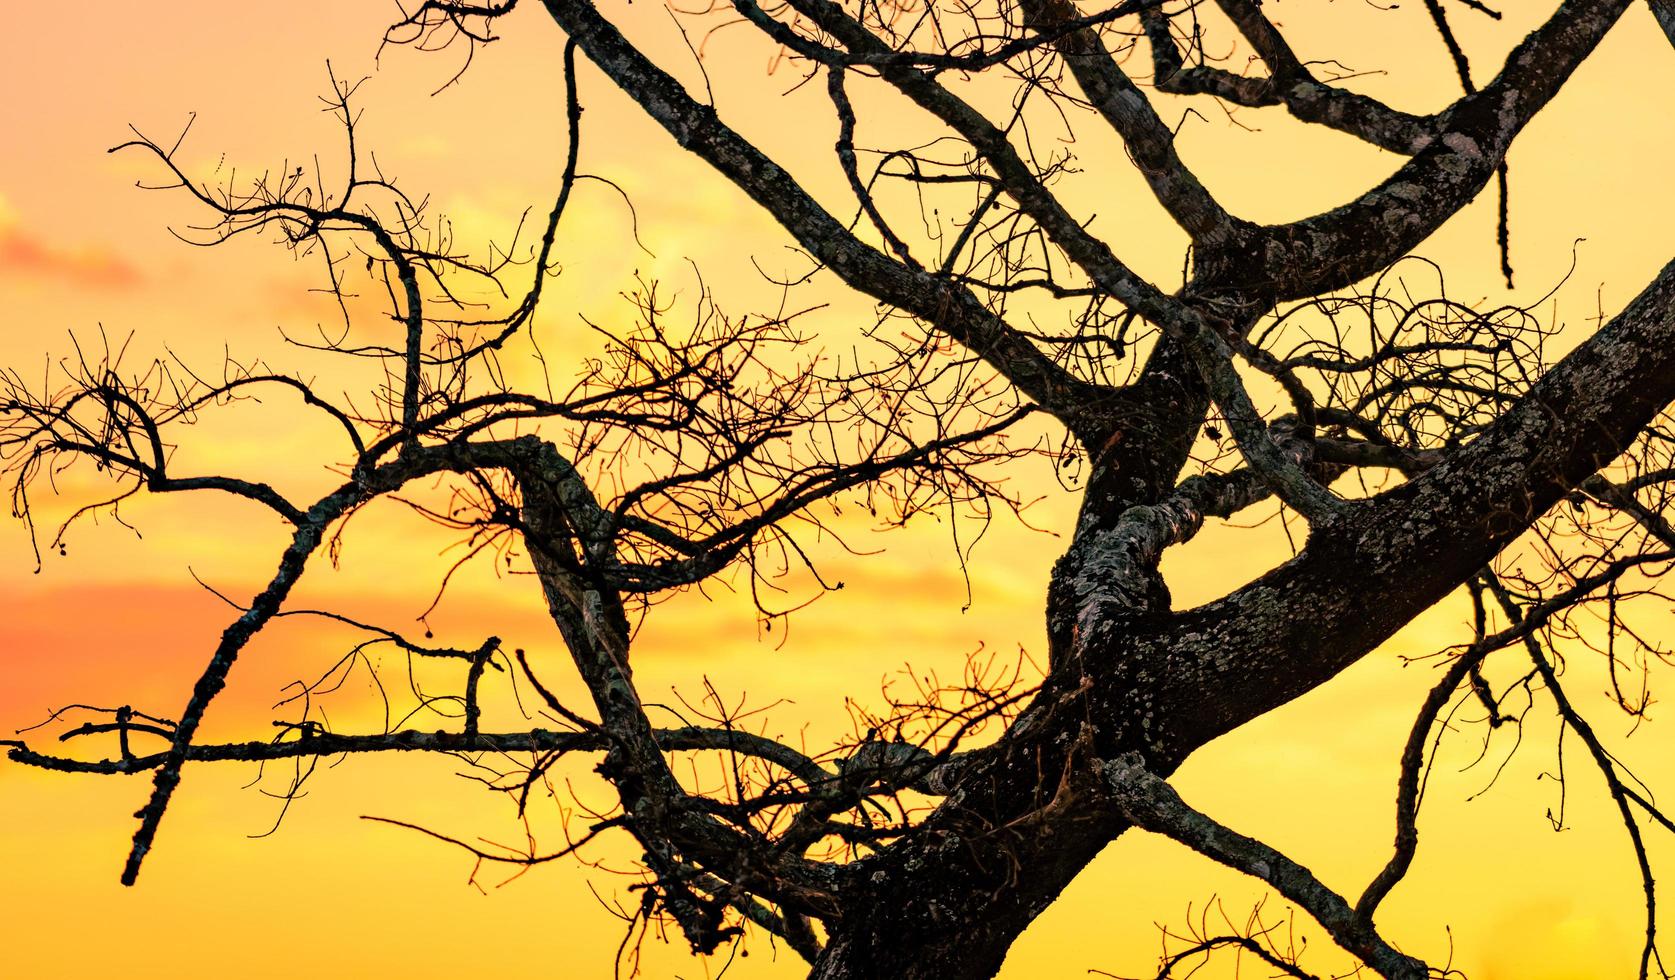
<point x="120" y="619"/>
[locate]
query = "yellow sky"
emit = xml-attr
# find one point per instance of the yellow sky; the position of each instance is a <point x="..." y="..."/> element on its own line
<point x="120" y="619"/>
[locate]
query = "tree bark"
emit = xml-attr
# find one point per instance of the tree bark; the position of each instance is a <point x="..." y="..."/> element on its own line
<point x="949" y="902"/>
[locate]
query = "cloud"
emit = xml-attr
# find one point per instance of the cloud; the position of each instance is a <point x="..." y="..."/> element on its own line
<point x="25" y="255"/>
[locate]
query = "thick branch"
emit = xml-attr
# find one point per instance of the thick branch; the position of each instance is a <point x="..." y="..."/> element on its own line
<point x="1392" y="557"/>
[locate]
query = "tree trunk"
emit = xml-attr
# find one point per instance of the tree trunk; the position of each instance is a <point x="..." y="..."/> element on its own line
<point x="905" y="926"/>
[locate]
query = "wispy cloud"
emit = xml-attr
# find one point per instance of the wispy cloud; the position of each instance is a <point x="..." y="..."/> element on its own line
<point x="27" y="255"/>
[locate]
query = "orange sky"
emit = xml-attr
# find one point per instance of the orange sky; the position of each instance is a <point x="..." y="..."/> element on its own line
<point x="120" y="619"/>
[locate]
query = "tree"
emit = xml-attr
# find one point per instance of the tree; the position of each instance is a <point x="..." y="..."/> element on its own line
<point x="1416" y="439"/>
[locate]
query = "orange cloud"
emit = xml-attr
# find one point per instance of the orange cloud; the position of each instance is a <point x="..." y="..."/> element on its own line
<point x="26" y="255"/>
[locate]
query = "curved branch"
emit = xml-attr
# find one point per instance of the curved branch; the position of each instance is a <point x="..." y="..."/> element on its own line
<point x="1353" y="241"/>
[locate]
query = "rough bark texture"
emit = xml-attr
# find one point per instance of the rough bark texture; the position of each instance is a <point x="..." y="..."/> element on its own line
<point x="1133" y="685"/>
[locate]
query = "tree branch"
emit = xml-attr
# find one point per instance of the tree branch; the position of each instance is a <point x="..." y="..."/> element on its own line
<point x="1155" y="806"/>
<point x="952" y="309"/>
<point x="1338" y="247"/>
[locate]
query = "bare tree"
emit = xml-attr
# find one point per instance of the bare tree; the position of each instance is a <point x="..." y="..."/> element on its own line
<point x="1308" y="367"/>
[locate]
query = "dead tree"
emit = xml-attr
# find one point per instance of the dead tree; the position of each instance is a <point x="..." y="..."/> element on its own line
<point x="1416" y="439"/>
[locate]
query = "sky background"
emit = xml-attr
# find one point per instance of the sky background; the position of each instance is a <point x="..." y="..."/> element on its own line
<point x="119" y="619"/>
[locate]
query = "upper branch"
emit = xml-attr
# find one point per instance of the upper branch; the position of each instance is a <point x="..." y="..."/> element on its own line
<point x="1209" y="352"/>
<point x="1289" y="83"/>
<point x="1124" y="106"/>
<point x="1338" y="247"/>
<point x="937" y="300"/>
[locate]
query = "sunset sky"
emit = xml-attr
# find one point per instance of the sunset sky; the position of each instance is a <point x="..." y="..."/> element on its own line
<point x="119" y="619"/>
